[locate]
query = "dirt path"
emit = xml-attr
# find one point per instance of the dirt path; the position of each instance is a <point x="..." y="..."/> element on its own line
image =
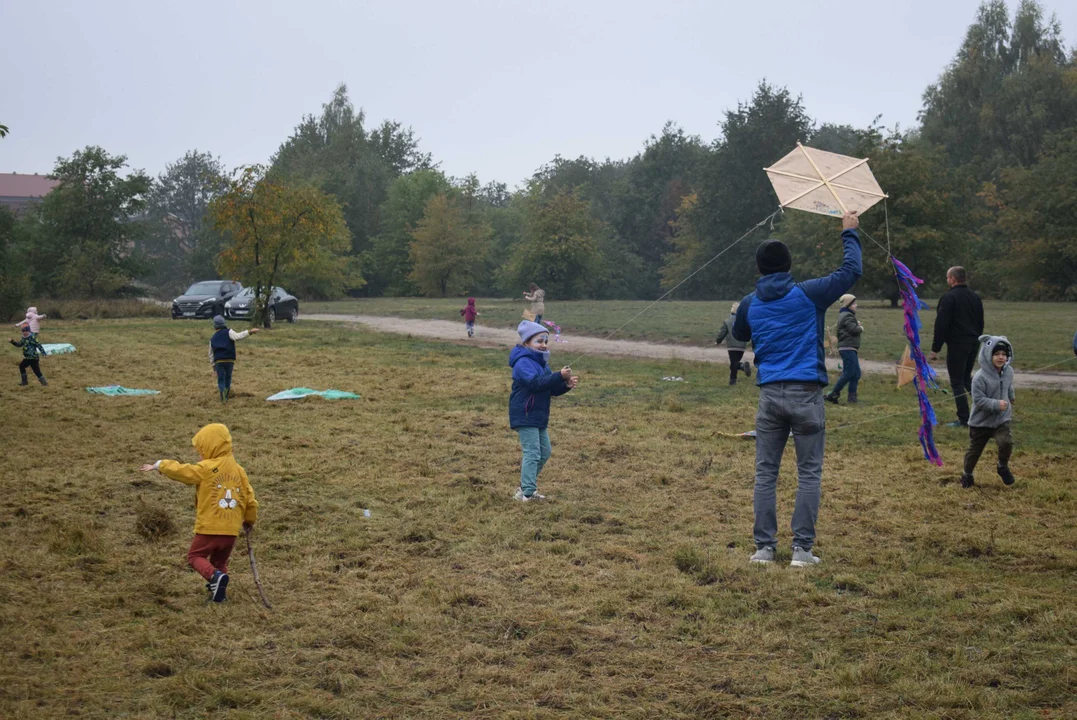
<point x="578" y="344"/>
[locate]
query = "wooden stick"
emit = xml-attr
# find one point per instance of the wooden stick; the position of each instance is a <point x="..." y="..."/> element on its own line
<point x="821" y="177"/>
<point x="819" y="184"/>
<point x="254" y="571"/>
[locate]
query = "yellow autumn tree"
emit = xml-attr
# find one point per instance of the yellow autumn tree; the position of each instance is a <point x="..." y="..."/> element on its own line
<point x="272" y="227"/>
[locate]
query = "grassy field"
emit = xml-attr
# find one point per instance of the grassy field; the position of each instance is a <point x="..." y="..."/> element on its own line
<point x="1042" y="333"/>
<point x="627" y="594"/>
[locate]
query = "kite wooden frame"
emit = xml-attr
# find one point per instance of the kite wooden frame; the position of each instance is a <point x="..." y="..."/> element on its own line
<point x="822" y="181"/>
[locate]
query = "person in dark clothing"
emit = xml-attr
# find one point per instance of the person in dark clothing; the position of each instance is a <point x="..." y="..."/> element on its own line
<point x="784" y="320"/>
<point x="736" y="347"/>
<point x="222" y="353"/>
<point x="849" y="332"/>
<point x="31" y="352"/>
<point x="959" y="323"/>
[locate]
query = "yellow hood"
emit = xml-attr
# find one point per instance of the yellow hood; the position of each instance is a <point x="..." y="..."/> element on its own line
<point x="213" y="441"/>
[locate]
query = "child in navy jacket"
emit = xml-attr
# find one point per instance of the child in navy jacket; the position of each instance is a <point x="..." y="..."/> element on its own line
<point x="533" y="384"/>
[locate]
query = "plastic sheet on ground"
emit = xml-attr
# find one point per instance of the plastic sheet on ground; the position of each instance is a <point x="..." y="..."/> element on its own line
<point x="120" y="390"/>
<point x="58" y="348"/>
<point x="295" y="393"/>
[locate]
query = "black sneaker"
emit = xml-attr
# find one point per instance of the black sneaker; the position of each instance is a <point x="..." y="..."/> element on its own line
<point x="217" y="586"/>
<point x="746" y="368"/>
<point x="1006" y="475"/>
<point x="967" y="480"/>
<point x="831" y="398"/>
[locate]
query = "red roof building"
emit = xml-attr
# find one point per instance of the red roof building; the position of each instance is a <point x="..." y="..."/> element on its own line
<point x="17" y="191"/>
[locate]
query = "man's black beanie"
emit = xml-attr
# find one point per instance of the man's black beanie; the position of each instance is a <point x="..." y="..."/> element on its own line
<point x="773" y="256"/>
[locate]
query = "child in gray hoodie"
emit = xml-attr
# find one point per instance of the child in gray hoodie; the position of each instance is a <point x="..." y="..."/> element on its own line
<point x="992" y="407"/>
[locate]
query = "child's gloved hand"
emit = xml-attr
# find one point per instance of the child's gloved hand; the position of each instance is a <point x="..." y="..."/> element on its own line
<point x="247" y="527"/>
<point x="566" y="372"/>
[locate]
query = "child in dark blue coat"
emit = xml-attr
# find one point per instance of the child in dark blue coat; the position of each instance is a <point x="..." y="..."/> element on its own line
<point x="533" y="384"/>
<point x="222" y="353"/>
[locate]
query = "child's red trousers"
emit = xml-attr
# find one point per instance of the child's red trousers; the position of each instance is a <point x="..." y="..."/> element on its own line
<point x="209" y="553"/>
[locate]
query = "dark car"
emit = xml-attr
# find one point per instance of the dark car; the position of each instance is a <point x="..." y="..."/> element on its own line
<point x="204" y="299"/>
<point x="281" y="305"/>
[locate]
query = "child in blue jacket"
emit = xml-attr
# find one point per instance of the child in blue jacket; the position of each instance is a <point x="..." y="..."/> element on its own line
<point x="533" y="384"/>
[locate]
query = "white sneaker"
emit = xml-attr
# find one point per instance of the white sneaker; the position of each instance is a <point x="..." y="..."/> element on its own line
<point x="803" y="558"/>
<point x="764" y="555"/>
<point x="523" y="498"/>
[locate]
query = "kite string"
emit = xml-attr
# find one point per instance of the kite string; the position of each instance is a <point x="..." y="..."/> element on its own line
<point x="761" y="223"/>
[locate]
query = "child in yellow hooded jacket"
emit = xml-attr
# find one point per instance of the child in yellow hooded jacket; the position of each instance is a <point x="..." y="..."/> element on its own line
<point x="224" y="503"/>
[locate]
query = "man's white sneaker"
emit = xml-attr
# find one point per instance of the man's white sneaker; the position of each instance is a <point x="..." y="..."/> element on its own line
<point x="803" y="558"/>
<point x="763" y="555"/>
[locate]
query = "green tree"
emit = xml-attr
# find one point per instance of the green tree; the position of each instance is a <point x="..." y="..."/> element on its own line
<point x="14" y="281"/>
<point x="686" y="250"/>
<point x="840" y="139"/>
<point x="446" y="249"/>
<point x="560" y="249"/>
<point x="646" y="199"/>
<point x="1008" y="87"/>
<point x="274" y="228"/>
<point x="336" y="153"/>
<point x="85" y="229"/>
<point x="182" y="244"/>
<point x="401" y="212"/>
<point x="733" y="193"/>
<point x="1038" y="211"/>
<point x="4" y="131"/>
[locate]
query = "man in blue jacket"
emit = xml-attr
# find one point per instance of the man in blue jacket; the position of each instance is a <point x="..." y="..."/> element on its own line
<point x="784" y="321"/>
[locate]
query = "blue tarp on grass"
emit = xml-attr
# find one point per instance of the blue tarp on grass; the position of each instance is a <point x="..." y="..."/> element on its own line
<point x="120" y="390"/>
<point x="296" y="393"/>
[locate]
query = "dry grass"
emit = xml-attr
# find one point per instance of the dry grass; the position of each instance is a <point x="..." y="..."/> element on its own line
<point x="626" y="595"/>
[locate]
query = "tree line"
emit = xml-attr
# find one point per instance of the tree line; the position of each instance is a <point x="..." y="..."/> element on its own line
<point x="986" y="179"/>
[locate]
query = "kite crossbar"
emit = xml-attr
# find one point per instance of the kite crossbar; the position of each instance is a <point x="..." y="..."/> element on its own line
<point x="826" y="181"/>
<point x="819" y="184"/>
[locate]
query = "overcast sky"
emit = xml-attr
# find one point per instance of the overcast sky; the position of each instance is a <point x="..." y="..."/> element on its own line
<point x="497" y="88"/>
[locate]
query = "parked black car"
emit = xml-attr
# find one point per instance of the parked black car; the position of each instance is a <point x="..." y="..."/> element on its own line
<point x="204" y="299"/>
<point x="281" y="305"/>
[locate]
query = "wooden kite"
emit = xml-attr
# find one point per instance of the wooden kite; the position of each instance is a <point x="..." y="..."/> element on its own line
<point x="906" y="368"/>
<point x="824" y="182"/>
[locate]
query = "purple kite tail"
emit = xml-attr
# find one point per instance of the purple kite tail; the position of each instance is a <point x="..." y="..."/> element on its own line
<point x="926" y="377"/>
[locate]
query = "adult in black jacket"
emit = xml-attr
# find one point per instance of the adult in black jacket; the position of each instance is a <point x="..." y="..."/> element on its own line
<point x="959" y="323"/>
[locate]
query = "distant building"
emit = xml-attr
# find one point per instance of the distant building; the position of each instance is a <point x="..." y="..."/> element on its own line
<point x="18" y="191"/>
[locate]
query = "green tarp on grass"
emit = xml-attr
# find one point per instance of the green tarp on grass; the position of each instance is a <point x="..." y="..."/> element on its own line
<point x="120" y="390"/>
<point x="295" y="393"/>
